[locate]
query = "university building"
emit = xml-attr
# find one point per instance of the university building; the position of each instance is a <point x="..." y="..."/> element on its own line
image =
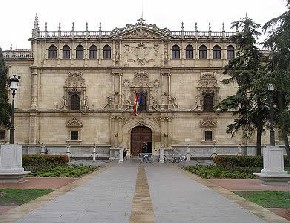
<point x="78" y="88"/>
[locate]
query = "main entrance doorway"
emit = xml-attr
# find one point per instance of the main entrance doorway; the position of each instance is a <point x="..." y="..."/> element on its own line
<point x="141" y="140"/>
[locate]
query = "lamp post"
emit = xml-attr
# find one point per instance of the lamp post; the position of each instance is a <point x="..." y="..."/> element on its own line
<point x="272" y="133"/>
<point x="13" y="87"/>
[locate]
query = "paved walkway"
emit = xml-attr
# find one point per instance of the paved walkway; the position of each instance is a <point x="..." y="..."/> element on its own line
<point x="137" y="193"/>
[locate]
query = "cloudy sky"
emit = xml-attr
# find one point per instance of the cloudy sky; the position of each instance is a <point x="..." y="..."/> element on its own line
<point x="17" y="16"/>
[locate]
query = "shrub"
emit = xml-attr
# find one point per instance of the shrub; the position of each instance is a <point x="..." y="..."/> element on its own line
<point x="223" y="172"/>
<point x="238" y="161"/>
<point x="241" y="161"/>
<point x="39" y="161"/>
<point x="65" y="171"/>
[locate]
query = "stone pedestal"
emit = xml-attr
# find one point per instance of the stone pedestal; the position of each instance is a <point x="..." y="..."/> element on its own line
<point x="161" y="158"/>
<point x="273" y="172"/>
<point x="11" y="170"/>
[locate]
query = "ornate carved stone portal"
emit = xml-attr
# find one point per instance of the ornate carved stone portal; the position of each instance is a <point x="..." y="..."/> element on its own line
<point x="75" y="83"/>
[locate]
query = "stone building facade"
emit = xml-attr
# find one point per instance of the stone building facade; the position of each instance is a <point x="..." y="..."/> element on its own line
<point x="78" y="88"/>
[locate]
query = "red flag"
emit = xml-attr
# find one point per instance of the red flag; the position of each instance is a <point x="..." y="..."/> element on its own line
<point x="137" y="101"/>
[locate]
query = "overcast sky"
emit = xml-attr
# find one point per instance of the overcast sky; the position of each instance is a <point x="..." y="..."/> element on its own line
<point x="17" y="16"/>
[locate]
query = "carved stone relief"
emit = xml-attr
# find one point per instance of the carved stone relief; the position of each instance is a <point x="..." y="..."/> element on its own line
<point x="140" y="53"/>
<point x="208" y="123"/>
<point x="74" y="123"/>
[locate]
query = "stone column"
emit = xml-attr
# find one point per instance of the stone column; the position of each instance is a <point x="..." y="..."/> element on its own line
<point x="34" y="88"/>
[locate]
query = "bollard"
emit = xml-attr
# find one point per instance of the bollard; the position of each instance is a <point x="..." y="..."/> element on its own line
<point x="94" y="153"/>
<point x="121" y="155"/>
<point x="68" y="153"/>
<point x="161" y="158"/>
<point x="188" y="154"/>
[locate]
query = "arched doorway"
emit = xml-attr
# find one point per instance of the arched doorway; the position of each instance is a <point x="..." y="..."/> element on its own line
<point x="139" y="136"/>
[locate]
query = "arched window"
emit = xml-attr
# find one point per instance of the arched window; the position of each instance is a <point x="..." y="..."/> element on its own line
<point x="217" y="52"/>
<point x="189" y="52"/>
<point x="175" y="52"/>
<point x="75" y="101"/>
<point x="66" y="52"/>
<point x="208" y="102"/>
<point x="52" y="52"/>
<point x="107" y="52"/>
<point x="202" y="52"/>
<point x="80" y="52"/>
<point x="230" y="52"/>
<point x="93" y="52"/>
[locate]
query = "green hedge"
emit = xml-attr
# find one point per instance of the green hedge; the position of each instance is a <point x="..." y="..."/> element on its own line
<point x="39" y="161"/>
<point x="241" y="161"/>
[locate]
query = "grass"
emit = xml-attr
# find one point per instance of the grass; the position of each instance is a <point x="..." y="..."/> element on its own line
<point x="16" y="197"/>
<point x="267" y="199"/>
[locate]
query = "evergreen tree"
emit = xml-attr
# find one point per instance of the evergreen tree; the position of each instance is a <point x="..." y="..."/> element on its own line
<point x="247" y="70"/>
<point x="4" y="102"/>
<point x="278" y="42"/>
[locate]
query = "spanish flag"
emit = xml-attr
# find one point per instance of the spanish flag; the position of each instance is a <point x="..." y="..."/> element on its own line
<point x="137" y="103"/>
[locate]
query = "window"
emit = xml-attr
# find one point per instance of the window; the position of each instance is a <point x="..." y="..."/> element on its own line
<point x="52" y="52"/>
<point x="2" y="134"/>
<point x="75" y="101"/>
<point x="189" y="52"/>
<point x="208" y="135"/>
<point x="208" y="102"/>
<point x="202" y="52"/>
<point x="74" y="135"/>
<point x="175" y="52"/>
<point x="93" y="52"/>
<point x="80" y="52"/>
<point x="230" y="52"/>
<point x="142" y="101"/>
<point x="66" y="52"/>
<point x="107" y="52"/>
<point x="217" y="52"/>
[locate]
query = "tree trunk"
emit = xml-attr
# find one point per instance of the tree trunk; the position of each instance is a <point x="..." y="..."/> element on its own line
<point x="286" y="141"/>
<point x="259" y="141"/>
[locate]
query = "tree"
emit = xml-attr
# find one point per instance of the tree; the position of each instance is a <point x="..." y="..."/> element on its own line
<point x="4" y="101"/>
<point x="247" y="70"/>
<point x="278" y="42"/>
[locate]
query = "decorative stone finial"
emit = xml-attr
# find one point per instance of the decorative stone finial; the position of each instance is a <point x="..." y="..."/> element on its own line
<point x="36" y="29"/>
<point x="73" y="27"/>
<point x="100" y="27"/>
<point x="59" y="27"/>
<point x="141" y="21"/>
<point x="195" y="27"/>
<point x="87" y="26"/>
<point x="223" y="28"/>
<point x="209" y="27"/>
<point x="182" y="26"/>
<point x="45" y="27"/>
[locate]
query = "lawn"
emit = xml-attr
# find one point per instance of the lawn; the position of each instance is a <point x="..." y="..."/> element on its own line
<point x="17" y="197"/>
<point x="267" y="199"/>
